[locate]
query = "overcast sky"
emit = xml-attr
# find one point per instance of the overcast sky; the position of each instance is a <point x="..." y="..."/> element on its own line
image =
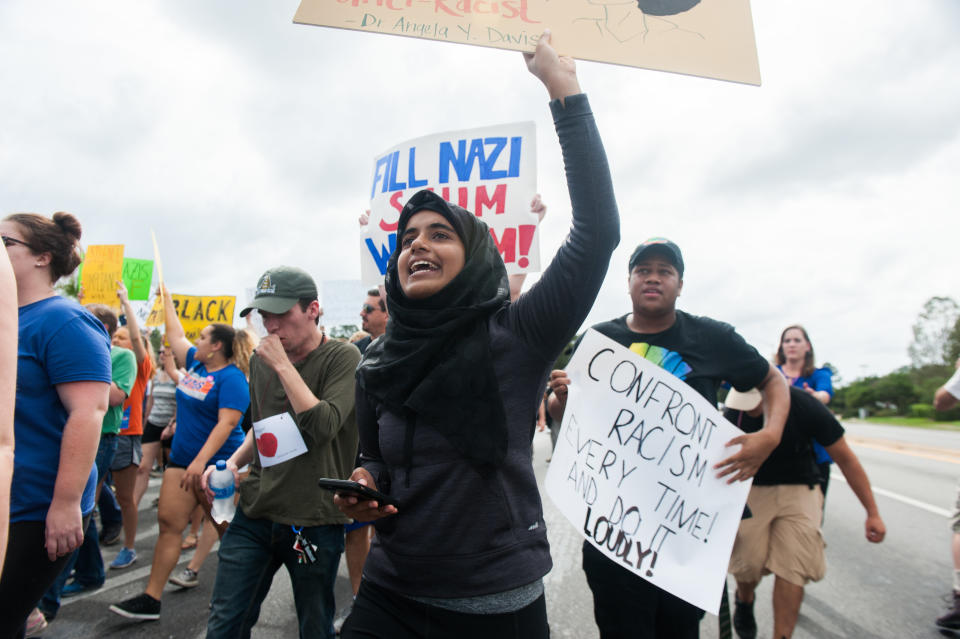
<point x="824" y="197"/>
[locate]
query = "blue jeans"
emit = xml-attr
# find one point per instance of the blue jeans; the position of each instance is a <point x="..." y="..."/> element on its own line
<point x="251" y="552"/>
<point x="87" y="558"/>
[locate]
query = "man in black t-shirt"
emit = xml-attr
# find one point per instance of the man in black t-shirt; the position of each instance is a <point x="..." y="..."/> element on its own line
<point x="703" y="352"/>
<point x="783" y="535"/>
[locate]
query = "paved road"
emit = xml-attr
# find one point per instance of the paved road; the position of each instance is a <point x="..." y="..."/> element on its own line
<point x="891" y="590"/>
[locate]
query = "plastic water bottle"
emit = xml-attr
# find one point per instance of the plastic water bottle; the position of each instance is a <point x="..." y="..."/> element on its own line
<point x="222" y="484"/>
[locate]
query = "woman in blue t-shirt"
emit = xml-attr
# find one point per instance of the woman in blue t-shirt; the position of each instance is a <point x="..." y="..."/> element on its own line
<point x="795" y="360"/>
<point x="211" y="399"/>
<point x="63" y="382"/>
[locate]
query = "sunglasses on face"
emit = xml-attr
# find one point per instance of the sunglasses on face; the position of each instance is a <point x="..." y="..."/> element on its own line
<point x="366" y="308"/>
<point x="10" y="241"/>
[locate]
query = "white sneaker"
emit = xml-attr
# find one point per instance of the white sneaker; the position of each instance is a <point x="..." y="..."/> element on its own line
<point x="186" y="579"/>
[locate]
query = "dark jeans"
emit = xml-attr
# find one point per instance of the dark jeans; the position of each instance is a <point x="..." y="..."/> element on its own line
<point x="381" y="614"/>
<point x="86" y="562"/>
<point x="27" y="573"/>
<point x="107" y="505"/>
<point x="251" y="552"/>
<point x="626" y="606"/>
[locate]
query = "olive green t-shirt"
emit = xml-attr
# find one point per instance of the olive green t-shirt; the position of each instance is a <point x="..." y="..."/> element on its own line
<point x="287" y="493"/>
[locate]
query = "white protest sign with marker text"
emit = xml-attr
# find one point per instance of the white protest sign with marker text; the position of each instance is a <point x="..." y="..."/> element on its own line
<point x="633" y="471"/>
<point x="490" y="171"/>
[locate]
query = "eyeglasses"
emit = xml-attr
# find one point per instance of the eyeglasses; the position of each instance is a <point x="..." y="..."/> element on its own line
<point x="10" y="241"/>
<point x="366" y="308"/>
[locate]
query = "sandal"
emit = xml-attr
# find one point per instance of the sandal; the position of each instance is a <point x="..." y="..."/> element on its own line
<point x="189" y="542"/>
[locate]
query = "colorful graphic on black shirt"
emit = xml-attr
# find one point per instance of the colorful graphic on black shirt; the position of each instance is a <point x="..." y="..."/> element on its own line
<point x="668" y="360"/>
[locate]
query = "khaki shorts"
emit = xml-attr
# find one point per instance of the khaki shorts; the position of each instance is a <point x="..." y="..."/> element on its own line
<point x="783" y="536"/>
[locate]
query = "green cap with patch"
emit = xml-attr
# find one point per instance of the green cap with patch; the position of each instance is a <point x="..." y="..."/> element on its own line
<point x="280" y="288"/>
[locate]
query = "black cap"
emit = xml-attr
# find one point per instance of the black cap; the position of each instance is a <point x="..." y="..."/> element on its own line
<point x="280" y="288"/>
<point x="661" y="246"/>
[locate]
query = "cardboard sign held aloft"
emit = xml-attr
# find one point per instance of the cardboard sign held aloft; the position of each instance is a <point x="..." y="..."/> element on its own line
<point x="195" y="312"/>
<point x="155" y="317"/>
<point x="709" y="38"/>
<point x="489" y="171"/>
<point x="633" y="471"/>
<point x="102" y="269"/>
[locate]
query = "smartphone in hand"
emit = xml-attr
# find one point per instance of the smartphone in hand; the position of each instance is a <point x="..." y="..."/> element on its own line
<point x="345" y="487"/>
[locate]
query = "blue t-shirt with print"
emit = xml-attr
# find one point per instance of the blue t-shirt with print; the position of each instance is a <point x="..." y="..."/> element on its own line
<point x="200" y="396"/>
<point x="59" y="342"/>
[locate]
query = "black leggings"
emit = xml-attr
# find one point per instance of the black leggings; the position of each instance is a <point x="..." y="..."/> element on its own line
<point x="27" y="573"/>
<point x="381" y="614"/>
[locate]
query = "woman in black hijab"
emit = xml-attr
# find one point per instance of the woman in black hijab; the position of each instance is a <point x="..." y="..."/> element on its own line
<point x="446" y="401"/>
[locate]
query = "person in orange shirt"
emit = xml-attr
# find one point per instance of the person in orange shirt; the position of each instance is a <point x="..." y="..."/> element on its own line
<point x="127" y="460"/>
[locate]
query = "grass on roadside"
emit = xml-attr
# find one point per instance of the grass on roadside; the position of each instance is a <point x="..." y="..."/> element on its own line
<point x="916" y="422"/>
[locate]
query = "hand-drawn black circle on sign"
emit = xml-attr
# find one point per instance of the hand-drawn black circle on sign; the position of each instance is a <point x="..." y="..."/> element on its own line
<point x="666" y="7"/>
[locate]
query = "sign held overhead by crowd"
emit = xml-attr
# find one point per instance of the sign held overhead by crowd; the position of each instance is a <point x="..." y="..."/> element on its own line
<point x="489" y="171"/>
<point x="712" y="39"/>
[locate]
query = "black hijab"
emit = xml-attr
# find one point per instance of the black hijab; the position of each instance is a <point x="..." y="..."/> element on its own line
<point x="433" y="364"/>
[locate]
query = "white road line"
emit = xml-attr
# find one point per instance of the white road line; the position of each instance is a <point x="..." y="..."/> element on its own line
<point x="936" y="510"/>
<point x="122" y="580"/>
<point x="116" y="579"/>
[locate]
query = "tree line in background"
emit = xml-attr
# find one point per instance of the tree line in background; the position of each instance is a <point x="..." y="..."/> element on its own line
<point x="908" y="391"/>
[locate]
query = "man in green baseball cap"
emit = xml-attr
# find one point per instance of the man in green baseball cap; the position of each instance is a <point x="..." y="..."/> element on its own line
<point x="304" y="427"/>
<point x="280" y="288"/>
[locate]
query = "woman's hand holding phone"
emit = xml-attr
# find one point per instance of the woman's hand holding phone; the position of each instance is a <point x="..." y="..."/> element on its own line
<point x="362" y="510"/>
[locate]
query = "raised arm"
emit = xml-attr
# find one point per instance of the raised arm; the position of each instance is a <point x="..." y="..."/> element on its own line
<point x="553" y="309"/>
<point x="176" y="336"/>
<point x="538" y="208"/>
<point x="558" y="73"/>
<point x="138" y="347"/>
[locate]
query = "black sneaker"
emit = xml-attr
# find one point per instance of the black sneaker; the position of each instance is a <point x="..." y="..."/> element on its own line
<point x="951" y="620"/>
<point x="143" y="607"/>
<point x="743" y="621"/>
<point x="110" y="534"/>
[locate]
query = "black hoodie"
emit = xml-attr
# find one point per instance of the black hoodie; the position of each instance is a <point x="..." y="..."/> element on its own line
<point x="465" y="530"/>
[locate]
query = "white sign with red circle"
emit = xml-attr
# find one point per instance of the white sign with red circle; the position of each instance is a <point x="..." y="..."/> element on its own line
<point x="278" y="439"/>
